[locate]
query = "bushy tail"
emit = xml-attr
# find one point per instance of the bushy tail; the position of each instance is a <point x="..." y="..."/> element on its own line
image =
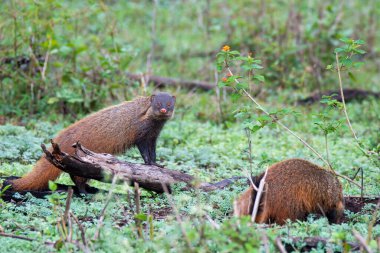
<point x="38" y="178"/>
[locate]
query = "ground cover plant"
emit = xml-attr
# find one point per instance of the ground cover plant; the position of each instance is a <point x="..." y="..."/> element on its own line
<point x="61" y="60"/>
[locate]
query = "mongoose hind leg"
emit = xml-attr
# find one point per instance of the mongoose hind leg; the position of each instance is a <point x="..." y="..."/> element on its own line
<point x="80" y="183"/>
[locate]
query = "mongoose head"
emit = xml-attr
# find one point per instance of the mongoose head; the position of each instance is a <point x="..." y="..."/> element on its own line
<point x="162" y="104"/>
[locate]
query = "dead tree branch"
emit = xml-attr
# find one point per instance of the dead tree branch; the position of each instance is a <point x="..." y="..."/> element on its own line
<point x="103" y="167"/>
<point x="160" y="81"/>
<point x="23" y="238"/>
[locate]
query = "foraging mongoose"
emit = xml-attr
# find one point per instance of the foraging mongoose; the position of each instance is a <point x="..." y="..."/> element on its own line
<point x="293" y="189"/>
<point x="111" y="130"/>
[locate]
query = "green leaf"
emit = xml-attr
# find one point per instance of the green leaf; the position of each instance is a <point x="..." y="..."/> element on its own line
<point x="359" y="51"/>
<point x="346" y="40"/>
<point x="242" y="58"/>
<point x="219" y="68"/>
<point x="52" y="186"/>
<point x="352" y="77"/>
<point x="360" y="42"/>
<point x="141" y="216"/>
<point x="234" y="52"/>
<point x="233" y="78"/>
<point x="4" y="189"/>
<point x="235" y="97"/>
<point x="346" y="62"/>
<point x="256" y="66"/>
<point x="74" y="100"/>
<point x="242" y="85"/>
<point x="261" y="78"/>
<point x="339" y="50"/>
<point x="240" y="115"/>
<point x="58" y="244"/>
<point x="52" y="100"/>
<point x="255" y="128"/>
<point x="264" y="119"/>
<point x="222" y="84"/>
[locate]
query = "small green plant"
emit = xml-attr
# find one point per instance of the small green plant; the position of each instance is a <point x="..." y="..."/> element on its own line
<point x="325" y="122"/>
<point x="347" y="56"/>
<point x="225" y="59"/>
<point x="2" y="191"/>
<point x="346" y="61"/>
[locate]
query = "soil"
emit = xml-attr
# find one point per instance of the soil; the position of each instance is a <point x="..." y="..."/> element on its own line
<point x="355" y="204"/>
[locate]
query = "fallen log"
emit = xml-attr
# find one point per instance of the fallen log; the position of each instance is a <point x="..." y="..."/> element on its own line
<point x="349" y="95"/>
<point x="103" y="167"/>
<point x="160" y="81"/>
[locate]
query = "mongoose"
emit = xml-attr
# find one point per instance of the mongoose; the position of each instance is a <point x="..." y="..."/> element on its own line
<point x="293" y="189"/>
<point x="111" y="130"/>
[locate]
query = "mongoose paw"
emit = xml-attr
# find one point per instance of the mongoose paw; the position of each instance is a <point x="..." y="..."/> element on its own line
<point x="156" y="164"/>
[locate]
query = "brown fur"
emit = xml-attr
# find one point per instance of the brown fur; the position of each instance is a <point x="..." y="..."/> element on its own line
<point x="294" y="189"/>
<point x="111" y="130"/>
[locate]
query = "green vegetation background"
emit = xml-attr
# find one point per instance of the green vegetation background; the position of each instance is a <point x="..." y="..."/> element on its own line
<point x="92" y="45"/>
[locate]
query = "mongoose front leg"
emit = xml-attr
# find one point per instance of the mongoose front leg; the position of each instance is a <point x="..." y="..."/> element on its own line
<point x="152" y="153"/>
<point x="143" y="148"/>
<point x="147" y="150"/>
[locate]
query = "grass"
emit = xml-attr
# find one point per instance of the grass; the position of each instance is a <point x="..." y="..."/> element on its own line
<point x="92" y="44"/>
<point x="205" y="149"/>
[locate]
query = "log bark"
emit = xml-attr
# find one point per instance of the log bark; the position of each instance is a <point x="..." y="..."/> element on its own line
<point x="103" y="167"/>
<point x="160" y="81"/>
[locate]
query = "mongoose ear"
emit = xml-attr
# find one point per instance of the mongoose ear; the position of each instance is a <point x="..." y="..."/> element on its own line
<point x="152" y="97"/>
<point x="174" y="98"/>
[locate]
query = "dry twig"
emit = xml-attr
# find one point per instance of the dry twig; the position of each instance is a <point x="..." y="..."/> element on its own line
<point x="138" y="210"/>
<point x="68" y="203"/>
<point x="373" y="221"/>
<point x="258" y="197"/>
<point x="343" y="101"/>
<point x="23" y="238"/>
<point x="362" y="241"/>
<point x="178" y="217"/>
<point x="280" y="246"/>
<point x="81" y="229"/>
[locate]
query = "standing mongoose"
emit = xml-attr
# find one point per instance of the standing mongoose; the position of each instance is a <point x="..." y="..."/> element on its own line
<point x="111" y="130"/>
<point x="293" y="189"/>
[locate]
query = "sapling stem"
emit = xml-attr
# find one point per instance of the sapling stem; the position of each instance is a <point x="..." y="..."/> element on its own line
<point x="290" y="131"/>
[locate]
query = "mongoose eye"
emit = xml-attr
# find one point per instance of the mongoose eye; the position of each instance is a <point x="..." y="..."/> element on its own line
<point x="168" y="104"/>
<point x="158" y="104"/>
